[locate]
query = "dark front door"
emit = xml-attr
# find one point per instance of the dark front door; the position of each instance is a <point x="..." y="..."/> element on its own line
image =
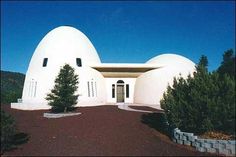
<point x="120" y="93"/>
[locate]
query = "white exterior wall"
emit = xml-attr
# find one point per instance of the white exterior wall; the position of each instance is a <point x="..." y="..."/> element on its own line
<point x="95" y="93"/>
<point x="110" y="81"/>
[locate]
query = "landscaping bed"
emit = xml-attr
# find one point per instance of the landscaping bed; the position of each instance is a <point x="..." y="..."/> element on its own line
<point x="217" y="135"/>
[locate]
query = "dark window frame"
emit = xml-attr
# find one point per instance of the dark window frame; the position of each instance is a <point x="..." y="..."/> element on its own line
<point x="45" y="62"/>
<point x="113" y="91"/>
<point x="127" y="90"/>
<point x="79" y="62"/>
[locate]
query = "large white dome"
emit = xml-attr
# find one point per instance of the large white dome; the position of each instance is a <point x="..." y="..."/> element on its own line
<point x="60" y="46"/>
<point x="150" y="86"/>
<point x="63" y="45"/>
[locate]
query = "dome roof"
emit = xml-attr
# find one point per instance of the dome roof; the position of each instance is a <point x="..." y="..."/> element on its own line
<point x="63" y="45"/>
<point x="170" y="60"/>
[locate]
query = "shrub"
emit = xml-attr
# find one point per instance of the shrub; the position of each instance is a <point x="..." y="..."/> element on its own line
<point x="8" y="130"/>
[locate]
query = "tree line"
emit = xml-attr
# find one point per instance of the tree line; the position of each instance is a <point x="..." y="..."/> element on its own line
<point x="11" y="86"/>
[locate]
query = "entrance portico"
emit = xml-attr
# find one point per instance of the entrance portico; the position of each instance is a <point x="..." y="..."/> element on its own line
<point x="120" y="79"/>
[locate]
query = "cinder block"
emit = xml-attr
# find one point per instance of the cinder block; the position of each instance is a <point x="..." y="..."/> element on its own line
<point x="211" y="141"/>
<point x="187" y="134"/>
<point x="203" y="144"/>
<point x="176" y="130"/>
<point x="193" y="144"/>
<point x="201" y="149"/>
<point x="223" y="141"/>
<point x="229" y="146"/>
<point x="192" y="138"/>
<point x="220" y="149"/>
<point x="176" y="135"/>
<point x="184" y="137"/>
<point x="211" y="150"/>
<point x="200" y="140"/>
<point x="197" y="144"/>
<point x="179" y="141"/>
<point x="222" y="145"/>
<point x="233" y="142"/>
<point x="207" y="145"/>
<point x="187" y="142"/>
<point x="216" y="145"/>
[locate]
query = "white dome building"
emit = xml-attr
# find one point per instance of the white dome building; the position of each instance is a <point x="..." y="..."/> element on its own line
<point x="99" y="83"/>
<point x="60" y="46"/>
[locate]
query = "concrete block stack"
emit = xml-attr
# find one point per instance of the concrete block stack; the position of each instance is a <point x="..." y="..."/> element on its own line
<point x="226" y="147"/>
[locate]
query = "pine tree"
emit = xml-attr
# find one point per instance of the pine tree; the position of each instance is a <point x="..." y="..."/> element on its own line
<point x="228" y="64"/>
<point x="186" y="102"/>
<point x="205" y="102"/>
<point x="62" y="95"/>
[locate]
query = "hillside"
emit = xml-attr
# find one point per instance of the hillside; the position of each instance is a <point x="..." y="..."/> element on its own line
<point x="11" y="86"/>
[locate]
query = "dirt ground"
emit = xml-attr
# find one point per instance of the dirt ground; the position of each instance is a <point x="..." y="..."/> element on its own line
<point x="98" y="131"/>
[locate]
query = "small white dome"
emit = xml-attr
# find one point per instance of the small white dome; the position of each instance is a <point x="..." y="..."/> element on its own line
<point x="150" y="86"/>
<point x="169" y="60"/>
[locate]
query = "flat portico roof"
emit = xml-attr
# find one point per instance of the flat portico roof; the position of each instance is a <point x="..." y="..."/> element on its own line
<point x="124" y="69"/>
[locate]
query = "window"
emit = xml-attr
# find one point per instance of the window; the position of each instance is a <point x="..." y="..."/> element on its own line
<point x="88" y="90"/>
<point x="35" y="88"/>
<point x="96" y="89"/>
<point x="92" y="89"/>
<point x="45" y="61"/>
<point x="120" y="81"/>
<point x="113" y="91"/>
<point x="78" y="62"/>
<point x="32" y="88"/>
<point x="29" y="90"/>
<point x="127" y="91"/>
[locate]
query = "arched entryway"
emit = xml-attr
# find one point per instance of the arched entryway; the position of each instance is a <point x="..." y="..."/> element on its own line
<point x="120" y="91"/>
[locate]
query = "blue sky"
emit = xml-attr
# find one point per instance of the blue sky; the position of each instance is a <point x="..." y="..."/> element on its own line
<point x="121" y="32"/>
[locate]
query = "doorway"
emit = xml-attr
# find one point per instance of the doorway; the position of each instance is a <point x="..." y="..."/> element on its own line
<point x="120" y="91"/>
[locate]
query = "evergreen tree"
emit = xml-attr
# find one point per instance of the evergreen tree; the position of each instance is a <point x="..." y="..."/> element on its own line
<point x="226" y="96"/>
<point x="62" y="96"/>
<point x="228" y="64"/>
<point x="202" y="103"/>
